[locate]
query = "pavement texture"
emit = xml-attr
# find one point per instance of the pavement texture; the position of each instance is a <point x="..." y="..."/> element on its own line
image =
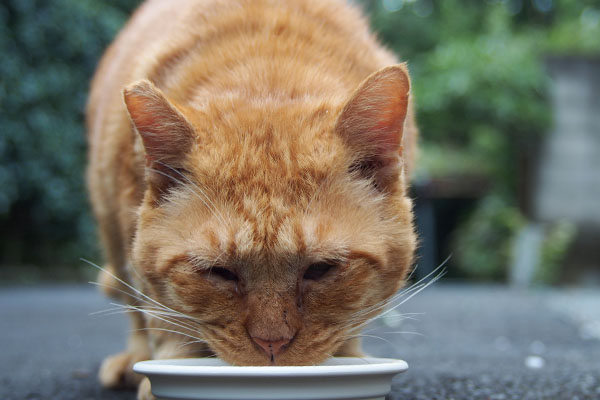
<point x="487" y="343"/>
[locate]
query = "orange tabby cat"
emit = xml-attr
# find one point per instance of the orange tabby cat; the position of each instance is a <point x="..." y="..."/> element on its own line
<point x="248" y="170"/>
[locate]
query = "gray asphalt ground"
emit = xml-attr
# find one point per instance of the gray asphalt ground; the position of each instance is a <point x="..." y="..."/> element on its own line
<point x="473" y="343"/>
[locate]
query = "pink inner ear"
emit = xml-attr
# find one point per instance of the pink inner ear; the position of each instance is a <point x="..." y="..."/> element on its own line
<point x="139" y="108"/>
<point x="372" y="120"/>
<point x="390" y="121"/>
<point x="145" y="121"/>
<point x="164" y="130"/>
<point x="388" y="112"/>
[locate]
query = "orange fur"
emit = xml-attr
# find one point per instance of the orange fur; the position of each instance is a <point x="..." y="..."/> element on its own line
<point x="261" y="137"/>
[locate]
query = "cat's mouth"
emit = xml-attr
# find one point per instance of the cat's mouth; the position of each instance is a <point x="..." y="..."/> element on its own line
<point x="255" y="351"/>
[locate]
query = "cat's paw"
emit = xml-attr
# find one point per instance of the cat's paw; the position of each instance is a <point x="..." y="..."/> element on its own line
<point x="144" y="392"/>
<point x="117" y="371"/>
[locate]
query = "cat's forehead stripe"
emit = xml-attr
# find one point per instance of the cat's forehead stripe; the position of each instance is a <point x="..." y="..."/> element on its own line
<point x="270" y="237"/>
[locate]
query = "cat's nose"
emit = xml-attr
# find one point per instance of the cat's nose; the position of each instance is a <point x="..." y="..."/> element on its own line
<point x="272" y="347"/>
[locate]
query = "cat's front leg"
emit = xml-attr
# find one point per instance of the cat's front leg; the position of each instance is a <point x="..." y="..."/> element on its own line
<point x="116" y="370"/>
<point x="145" y="390"/>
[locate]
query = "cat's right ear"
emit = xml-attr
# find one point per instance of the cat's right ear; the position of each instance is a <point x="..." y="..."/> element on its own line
<point x="372" y="123"/>
<point x="166" y="134"/>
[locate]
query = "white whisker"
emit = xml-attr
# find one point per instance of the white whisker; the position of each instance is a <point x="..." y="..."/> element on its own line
<point x="414" y="287"/>
<point x="401" y="332"/>
<point x="432" y="281"/>
<point x="168" y="330"/>
<point x="180" y="324"/>
<point x="206" y="199"/>
<point x="119" y="290"/>
<point x="129" y="286"/>
<point x="372" y="336"/>
<point x="360" y="319"/>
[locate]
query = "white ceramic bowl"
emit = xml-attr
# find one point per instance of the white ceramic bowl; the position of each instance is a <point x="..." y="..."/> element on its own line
<point x="213" y="379"/>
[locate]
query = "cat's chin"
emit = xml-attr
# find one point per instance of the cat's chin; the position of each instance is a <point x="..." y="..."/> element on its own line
<point x="275" y="362"/>
<point x="262" y="360"/>
<point x="301" y="353"/>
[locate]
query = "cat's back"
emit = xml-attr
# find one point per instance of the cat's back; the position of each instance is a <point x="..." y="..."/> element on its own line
<point x="197" y="51"/>
<point x="181" y="46"/>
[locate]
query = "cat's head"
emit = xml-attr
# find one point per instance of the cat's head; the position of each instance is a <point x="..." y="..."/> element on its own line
<point x="279" y="225"/>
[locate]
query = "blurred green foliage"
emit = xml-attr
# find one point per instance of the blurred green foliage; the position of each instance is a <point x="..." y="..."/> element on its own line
<point x="481" y="89"/>
<point x="477" y="73"/>
<point x="558" y="237"/>
<point x="483" y="242"/>
<point x="49" y="51"/>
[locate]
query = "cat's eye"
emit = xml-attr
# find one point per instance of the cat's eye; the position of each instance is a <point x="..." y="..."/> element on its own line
<point x="223" y="273"/>
<point x="317" y="271"/>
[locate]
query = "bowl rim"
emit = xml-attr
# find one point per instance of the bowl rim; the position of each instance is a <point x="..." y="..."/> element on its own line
<point x="185" y="367"/>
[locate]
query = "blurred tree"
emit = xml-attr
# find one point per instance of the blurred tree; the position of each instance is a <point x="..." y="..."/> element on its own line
<point x="50" y="49"/>
<point x="480" y="85"/>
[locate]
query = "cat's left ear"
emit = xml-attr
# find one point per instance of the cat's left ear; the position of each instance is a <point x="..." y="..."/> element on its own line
<point x="371" y="123"/>
<point x="166" y="133"/>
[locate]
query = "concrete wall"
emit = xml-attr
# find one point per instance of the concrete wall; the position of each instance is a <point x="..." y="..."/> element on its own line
<point x="568" y="179"/>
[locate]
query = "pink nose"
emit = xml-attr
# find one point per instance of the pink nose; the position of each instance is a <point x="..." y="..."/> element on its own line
<point x="271" y="347"/>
